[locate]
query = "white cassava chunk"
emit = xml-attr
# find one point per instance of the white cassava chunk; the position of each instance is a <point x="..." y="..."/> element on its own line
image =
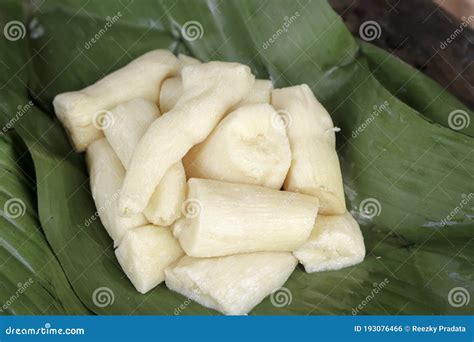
<point x="260" y="93"/>
<point x="165" y="204"/>
<point x="170" y="93"/>
<point x="145" y="252"/>
<point x="130" y="121"/>
<point x="106" y="176"/>
<point x="246" y="147"/>
<point x="315" y="168"/>
<point x="335" y="242"/>
<point x="234" y="284"/>
<point x="210" y="89"/>
<point x="172" y="88"/>
<point x="187" y="60"/>
<point x="226" y="218"/>
<point x="80" y="111"/>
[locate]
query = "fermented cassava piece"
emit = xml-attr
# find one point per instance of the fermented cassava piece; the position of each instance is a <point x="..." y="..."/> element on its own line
<point x="229" y="236"/>
<point x="129" y="121"/>
<point x="315" y="168"/>
<point x="145" y="252"/>
<point x="165" y="204"/>
<point x="142" y="77"/>
<point x="246" y="147"/>
<point x="209" y="91"/>
<point x="230" y="218"/>
<point x="335" y="242"/>
<point x="234" y="284"/>
<point x="172" y="88"/>
<point x="106" y="176"/>
<point x="260" y="93"/>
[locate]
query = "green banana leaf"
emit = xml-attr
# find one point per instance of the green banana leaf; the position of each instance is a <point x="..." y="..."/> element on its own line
<point x="416" y="89"/>
<point x="32" y="281"/>
<point x="400" y="156"/>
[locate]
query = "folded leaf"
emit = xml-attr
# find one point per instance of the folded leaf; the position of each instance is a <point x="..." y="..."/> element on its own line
<point x="403" y="174"/>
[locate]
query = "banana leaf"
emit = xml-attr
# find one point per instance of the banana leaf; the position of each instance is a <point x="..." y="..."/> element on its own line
<point x="416" y="89"/>
<point x="32" y="281"/>
<point x="414" y="170"/>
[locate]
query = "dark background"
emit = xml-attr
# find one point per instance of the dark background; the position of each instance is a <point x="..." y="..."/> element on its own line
<point x="413" y="30"/>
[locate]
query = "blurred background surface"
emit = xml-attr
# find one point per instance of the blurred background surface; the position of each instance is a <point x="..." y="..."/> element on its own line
<point x="436" y="37"/>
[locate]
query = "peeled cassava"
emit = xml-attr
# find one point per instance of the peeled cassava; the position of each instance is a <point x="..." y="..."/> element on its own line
<point x="81" y="111"/>
<point x="226" y="218"/>
<point x="234" y="284"/>
<point x="106" y="177"/>
<point x="246" y="147"/>
<point x="315" y="168"/>
<point x="172" y="88"/>
<point x="145" y="252"/>
<point x="129" y="122"/>
<point x="335" y="242"/>
<point x="210" y="89"/>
